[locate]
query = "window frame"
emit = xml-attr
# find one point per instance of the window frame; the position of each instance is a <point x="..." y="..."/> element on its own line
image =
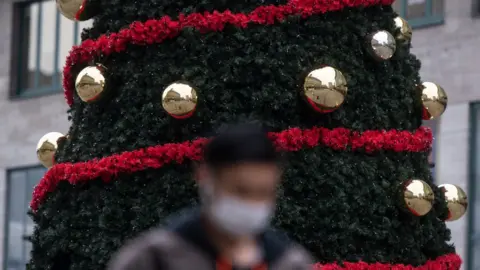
<point x="472" y="238"/>
<point x="428" y="20"/>
<point x="7" y="201"/>
<point x="20" y="52"/>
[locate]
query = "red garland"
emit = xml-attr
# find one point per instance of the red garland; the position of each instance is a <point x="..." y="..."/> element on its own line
<point x="446" y="262"/>
<point x="294" y="139"/>
<point x="156" y="31"/>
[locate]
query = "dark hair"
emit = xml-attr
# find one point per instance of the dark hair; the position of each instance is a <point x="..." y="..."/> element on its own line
<point x="238" y="144"/>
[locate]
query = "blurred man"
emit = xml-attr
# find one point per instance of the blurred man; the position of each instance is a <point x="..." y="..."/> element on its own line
<point x="237" y="183"/>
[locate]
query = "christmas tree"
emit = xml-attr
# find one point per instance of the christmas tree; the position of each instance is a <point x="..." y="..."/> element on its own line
<point x="333" y="81"/>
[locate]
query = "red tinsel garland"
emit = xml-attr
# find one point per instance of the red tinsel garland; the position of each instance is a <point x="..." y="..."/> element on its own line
<point x="446" y="262"/>
<point x="294" y="139"/>
<point x="156" y="31"/>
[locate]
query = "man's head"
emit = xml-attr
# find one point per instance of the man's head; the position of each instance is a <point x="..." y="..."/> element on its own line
<point x="239" y="178"/>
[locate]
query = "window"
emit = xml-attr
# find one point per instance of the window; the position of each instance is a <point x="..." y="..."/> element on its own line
<point x="420" y="13"/>
<point x="18" y="226"/>
<point x="473" y="247"/>
<point x="476" y="8"/>
<point x="42" y="38"/>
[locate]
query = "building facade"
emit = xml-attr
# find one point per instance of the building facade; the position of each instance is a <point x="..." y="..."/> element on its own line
<point x="35" y="39"/>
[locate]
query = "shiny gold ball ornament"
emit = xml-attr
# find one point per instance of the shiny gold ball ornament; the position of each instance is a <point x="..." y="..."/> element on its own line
<point x="46" y="148"/>
<point x="417" y="197"/>
<point x="78" y="10"/>
<point x="179" y="100"/>
<point x="381" y="45"/>
<point x="325" y="89"/>
<point x="456" y="199"/>
<point x="90" y="83"/>
<point x="404" y="31"/>
<point x="434" y="100"/>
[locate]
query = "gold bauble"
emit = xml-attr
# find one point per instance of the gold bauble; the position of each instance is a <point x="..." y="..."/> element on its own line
<point x="76" y="10"/>
<point x="179" y="100"/>
<point x="434" y="100"/>
<point x="90" y="83"/>
<point x="417" y="197"/>
<point x="404" y="31"/>
<point x="456" y="199"/>
<point x="381" y="45"/>
<point x="46" y="148"/>
<point x="325" y="89"/>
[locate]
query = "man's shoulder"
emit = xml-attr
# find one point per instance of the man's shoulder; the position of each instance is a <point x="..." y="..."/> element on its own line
<point x="177" y="219"/>
<point x="286" y="250"/>
<point x="144" y="250"/>
<point x="278" y="236"/>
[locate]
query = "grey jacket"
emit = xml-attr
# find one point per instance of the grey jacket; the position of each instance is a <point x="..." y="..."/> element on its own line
<point x="186" y="247"/>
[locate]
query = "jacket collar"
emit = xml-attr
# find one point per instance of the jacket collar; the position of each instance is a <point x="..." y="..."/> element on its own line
<point x="191" y="228"/>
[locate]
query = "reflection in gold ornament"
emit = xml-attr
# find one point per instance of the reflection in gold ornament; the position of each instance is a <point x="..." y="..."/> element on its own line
<point x="90" y="83"/>
<point x="404" y="31"/>
<point x="72" y="9"/>
<point x="325" y="89"/>
<point x="417" y="197"/>
<point x="381" y="45"/>
<point x="179" y="100"/>
<point x="456" y="199"/>
<point x="46" y="148"/>
<point x="434" y="100"/>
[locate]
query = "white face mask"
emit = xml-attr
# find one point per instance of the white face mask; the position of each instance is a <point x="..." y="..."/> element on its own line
<point x="236" y="216"/>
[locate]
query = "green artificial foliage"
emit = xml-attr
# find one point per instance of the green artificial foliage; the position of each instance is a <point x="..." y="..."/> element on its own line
<point x="342" y="205"/>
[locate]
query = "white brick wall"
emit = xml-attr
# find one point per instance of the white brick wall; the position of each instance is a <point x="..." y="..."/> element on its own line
<point x="450" y="57"/>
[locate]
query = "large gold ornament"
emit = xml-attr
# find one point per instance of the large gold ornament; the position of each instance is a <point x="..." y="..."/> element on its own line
<point x="456" y="199"/>
<point x="404" y="31"/>
<point x="46" y="148"/>
<point x="417" y="197"/>
<point x="76" y="10"/>
<point x="381" y="45"/>
<point x="325" y="89"/>
<point x="90" y="83"/>
<point x="434" y="100"/>
<point x="179" y="100"/>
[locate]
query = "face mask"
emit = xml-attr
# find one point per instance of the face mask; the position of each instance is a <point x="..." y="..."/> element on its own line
<point x="240" y="218"/>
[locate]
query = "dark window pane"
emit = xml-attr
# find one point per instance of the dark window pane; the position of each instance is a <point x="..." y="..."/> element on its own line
<point x="476" y="256"/>
<point x="28" y="46"/>
<point x="70" y="35"/>
<point x="15" y="265"/>
<point x="476" y="168"/>
<point x="438" y="7"/>
<point x="423" y="12"/>
<point x="476" y="218"/>
<point x="17" y="181"/>
<point x="20" y="185"/>
<point x="416" y="9"/>
<point x="397" y="6"/>
<point x="33" y="176"/>
<point x="45" y="39"/>
<point x="476" y="198"/>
